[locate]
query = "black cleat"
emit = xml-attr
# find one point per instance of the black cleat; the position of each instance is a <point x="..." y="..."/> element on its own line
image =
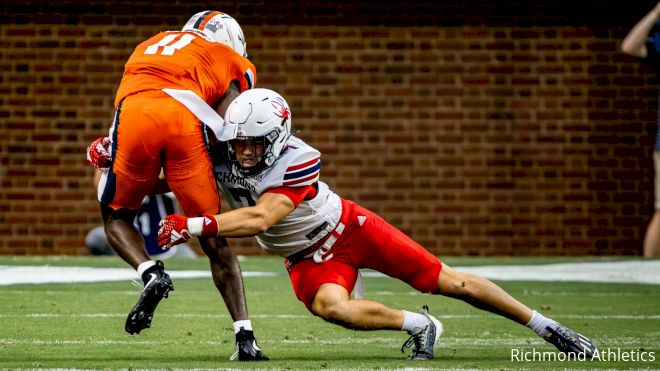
<point x="570" y="342"/>
<point x="246" y="347"/>
<point x="156" y="287"/>
<point x="423" y="339"/>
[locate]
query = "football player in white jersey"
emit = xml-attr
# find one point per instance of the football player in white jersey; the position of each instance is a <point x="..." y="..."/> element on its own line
<point x="271" y="180"/>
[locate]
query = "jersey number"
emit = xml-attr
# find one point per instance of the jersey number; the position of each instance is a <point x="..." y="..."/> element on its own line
<point x="242" y="195"/>
<point x="169" y="47"/>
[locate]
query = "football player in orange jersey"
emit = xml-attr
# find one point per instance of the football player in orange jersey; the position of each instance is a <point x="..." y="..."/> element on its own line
<point x="163" y="120"/>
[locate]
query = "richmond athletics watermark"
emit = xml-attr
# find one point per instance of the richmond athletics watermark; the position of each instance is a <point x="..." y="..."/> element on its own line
<point x="602" y="355"/>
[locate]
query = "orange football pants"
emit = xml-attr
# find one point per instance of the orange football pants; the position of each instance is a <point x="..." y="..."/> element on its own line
<point x="152" y="130"/>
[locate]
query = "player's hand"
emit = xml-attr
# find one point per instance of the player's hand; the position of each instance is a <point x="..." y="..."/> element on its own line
<point x="98" y="153"/>
<point x="176" y="229"/>
<point x="173" y="231"/>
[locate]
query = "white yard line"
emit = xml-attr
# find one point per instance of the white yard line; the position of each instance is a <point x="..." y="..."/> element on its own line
<point x="636" y="271"/>
<point x="11" y="275"/>
<point x="298" y="317"/>
<point x="390" y="341"/>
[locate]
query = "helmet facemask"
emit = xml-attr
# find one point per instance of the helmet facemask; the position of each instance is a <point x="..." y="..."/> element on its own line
<point x="262" y="149"/>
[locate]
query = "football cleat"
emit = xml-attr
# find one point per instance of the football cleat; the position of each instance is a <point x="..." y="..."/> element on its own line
<point x="422" y="340"/>
<point x="570" y="342"/>
<point x="156" y="287"/>
<point x="246" y="347"/>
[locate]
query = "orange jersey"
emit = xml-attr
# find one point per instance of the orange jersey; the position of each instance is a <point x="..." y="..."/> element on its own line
<point x="184" y="60"/>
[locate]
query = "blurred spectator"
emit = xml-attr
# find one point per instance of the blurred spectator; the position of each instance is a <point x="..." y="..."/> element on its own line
<point x="643" y="42"/>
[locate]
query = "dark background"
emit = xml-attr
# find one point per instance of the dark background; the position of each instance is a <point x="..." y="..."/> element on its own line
<point x="478" y="128"/>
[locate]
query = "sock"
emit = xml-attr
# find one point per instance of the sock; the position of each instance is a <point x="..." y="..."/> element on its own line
<point x="144" y="266"/>
<point x="538" y="324"/>
<point x="412" y="321"/>
<point x="245" y="324"/>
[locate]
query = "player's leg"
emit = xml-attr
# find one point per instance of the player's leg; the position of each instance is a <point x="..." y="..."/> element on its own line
<point x="325" y="288"/>
<point x="391" y="252"/>
<point x="129" y="244"/>
<point x="226" y="274"/>
<point x="228" y="279"/>
<point x="482" y="293"/>
<point x="652" y="237"/>
<point x="133" y="172"/>
<point x="397" y="255"/>
<point x="486" y="295"/>
<point x="123" y="236"/>
<point x="333" y="303"/>
<point x="375" y="244"/>
<point x="190" y="176"/>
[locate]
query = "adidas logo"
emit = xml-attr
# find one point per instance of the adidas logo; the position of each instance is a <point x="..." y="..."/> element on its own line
<point x="361" y="219"/>
<point x="175" y="236"/>
<point x="207" y="221"/>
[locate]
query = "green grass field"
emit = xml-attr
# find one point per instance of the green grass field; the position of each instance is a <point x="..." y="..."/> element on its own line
<point x="81" y="325"/>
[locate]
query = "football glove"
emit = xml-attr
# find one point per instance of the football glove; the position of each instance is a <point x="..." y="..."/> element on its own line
<point x="176" y="229"/>
<point x="98" y="153"/>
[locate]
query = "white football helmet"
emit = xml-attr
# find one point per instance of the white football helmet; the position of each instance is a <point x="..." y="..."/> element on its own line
<point x="218" y="27"/>
<point x="261" y="115"/>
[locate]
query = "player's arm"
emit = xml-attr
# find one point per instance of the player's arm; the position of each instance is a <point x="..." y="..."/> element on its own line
<point x="271" y="207"/>
<point x="635" y="43"/>
<point x="249" y="221"/>
<point x="242" y="222"/>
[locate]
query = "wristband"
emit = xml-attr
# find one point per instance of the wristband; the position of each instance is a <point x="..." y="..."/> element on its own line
<point x="203" y="226"/>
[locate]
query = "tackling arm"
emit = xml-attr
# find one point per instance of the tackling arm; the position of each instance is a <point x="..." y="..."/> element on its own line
<point x="635" y="43"/>
<point x="250" y="221"/>
<point x="242" y="222"/>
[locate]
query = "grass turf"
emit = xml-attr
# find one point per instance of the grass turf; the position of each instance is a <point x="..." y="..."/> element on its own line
<point x="81" y="325"/>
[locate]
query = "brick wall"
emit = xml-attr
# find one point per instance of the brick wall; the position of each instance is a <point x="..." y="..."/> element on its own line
<point x="478" y="129"/>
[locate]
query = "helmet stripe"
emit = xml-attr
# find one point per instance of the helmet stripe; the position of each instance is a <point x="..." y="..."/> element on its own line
<point x="206" y="19"/>
<point x="201" y="18"/>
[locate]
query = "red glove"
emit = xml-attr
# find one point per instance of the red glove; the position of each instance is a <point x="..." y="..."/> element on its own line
<point x="176" y="229"/>
<point x="98" y="153"/>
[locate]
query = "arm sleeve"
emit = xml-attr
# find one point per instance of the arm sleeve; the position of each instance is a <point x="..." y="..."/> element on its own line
<point x="296" y="194"/>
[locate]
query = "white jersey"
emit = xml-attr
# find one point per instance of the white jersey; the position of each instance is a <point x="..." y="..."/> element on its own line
<point x="299" y="165"/>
